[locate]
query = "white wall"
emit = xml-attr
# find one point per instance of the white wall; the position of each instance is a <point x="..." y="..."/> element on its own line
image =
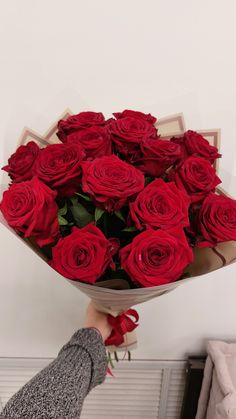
<point x="157" y="55"/>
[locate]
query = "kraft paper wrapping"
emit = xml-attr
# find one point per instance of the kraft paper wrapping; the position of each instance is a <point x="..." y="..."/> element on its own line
<point x="114" y="296"/>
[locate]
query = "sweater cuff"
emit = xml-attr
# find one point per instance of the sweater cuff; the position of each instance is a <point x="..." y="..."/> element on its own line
<point x="91" y="341"/>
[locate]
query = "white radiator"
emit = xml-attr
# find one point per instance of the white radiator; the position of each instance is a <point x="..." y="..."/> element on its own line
<point x="138" y="390"/>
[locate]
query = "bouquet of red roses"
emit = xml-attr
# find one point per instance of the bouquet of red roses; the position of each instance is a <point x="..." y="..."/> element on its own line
<point x="122" y="212"/>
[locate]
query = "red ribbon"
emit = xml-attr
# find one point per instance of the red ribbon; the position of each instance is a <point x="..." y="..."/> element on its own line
<point x="109" y="372"/>
<point x="120" y="326"/>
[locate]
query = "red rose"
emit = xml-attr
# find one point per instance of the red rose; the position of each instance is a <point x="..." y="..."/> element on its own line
<point x="111" y="182"/>
<point x="128" y="132"/>
<point x="196" y="176"/>
<point x="30" y="208"/>
<point x="21" y="163"/>
<point x="195" y="144"/>
<point x="94" y="141"/>
<point x="160" y="205"/>
<point x="136" y="114"/>
<point x="217" y="220"/>
<point x="183" y="150"/>
<point x="156" y="257"/>
<point x="59" y="166"/>
<point x="77" y="122"/>
<point x="156" y="156"/>
<point x="84" y="255"/>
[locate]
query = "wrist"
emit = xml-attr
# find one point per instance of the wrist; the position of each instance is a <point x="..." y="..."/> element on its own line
<point x="102" y="332"/>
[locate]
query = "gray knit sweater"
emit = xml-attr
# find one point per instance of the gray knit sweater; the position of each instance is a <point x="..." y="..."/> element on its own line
<point x="58" y="391"/>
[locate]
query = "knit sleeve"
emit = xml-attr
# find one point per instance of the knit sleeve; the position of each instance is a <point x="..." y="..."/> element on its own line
<point x="58" y="391"/>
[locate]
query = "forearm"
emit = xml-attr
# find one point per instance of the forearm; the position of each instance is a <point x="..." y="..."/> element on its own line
<point x="58" y="391"/>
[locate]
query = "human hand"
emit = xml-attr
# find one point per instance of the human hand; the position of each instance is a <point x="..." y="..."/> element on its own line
<point x="98" y="320"/>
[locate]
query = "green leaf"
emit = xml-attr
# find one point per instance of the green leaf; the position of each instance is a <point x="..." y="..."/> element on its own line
<point x="80" y="214"/>
<point x="74" y="200"/>
<point x="98" y="214"/>
<point x="87" y="198"/>
<point x="61" y="220"/>
<point x="119" y="215"/>
<point x="130" y="229"/>
<point x="148" y="179"/>
<point x="63" y="210"/>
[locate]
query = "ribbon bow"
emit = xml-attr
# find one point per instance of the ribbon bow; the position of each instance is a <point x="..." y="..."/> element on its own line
<point x="120" y="326"/>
